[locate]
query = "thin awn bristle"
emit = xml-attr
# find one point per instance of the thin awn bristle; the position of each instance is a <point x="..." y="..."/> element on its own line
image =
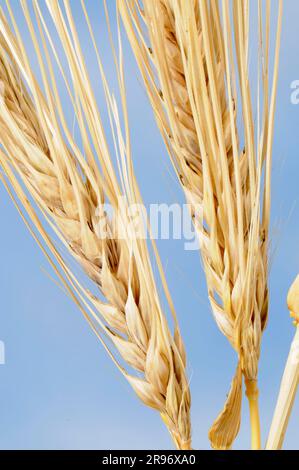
<point x="192" y="79"/>
<point x="70" y="188"/>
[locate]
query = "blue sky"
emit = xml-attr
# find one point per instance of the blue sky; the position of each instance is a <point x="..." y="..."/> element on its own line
<point x="58" y="388"/>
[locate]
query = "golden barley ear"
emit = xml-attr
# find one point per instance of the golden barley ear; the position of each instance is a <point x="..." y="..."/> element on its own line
<point x="193" y="57"/>
<point x="40" y="157"/>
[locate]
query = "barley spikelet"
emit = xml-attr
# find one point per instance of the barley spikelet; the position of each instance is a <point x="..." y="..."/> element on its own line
<point x="185" y="51"/>
<point x="70" y="187"/>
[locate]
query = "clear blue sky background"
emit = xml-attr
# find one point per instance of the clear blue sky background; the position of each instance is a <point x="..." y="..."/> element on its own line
<point x="58" y="388"/>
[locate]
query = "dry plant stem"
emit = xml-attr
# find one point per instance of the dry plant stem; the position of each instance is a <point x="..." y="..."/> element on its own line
<point x="70" y="186"/>
<point x="290" y="379"/>
<point x="286" y="397"/>
<point x="252" y="394"/>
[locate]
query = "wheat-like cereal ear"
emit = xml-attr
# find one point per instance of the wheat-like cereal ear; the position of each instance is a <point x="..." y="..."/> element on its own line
<point x="40" y="156"/>
<point x="193" y="57"/>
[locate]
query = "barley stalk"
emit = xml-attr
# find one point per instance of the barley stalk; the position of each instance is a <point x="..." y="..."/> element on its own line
<point x="192" y="80"/>
<point x="70" y="187"/>
<point x="290" y="379"/>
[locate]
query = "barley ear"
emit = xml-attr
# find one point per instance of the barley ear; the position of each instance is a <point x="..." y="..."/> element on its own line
<point x="194" y="60"/>
<point x="70" y="183"/>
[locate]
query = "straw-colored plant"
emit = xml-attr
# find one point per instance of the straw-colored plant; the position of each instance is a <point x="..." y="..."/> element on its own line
<point x="290" y="379"/>
<point x="194" y="59"/>
<point x="69" y="184"/>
